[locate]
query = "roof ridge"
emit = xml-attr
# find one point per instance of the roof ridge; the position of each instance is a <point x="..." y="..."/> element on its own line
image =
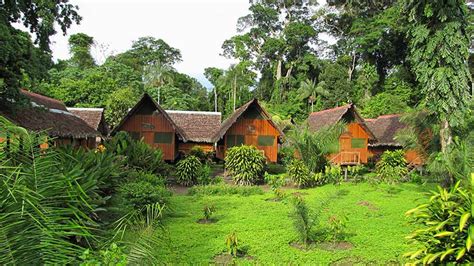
<point x="85" y="108"/>
<point x="41" y="96"/>
<point x="193" y="112"/>
<point x="389" y="115"/>
<point x="332" y="109"/>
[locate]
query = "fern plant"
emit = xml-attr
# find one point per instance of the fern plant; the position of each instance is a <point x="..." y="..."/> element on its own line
<point x="447" y="229"/>
<point x="245" y="164"/>
<point x="303" y="222"/>
<point x="188" y="170"/>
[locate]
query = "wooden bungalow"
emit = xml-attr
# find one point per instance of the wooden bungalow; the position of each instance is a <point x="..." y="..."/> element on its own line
<point x="94" y="117"/>
<point x="148" y="121"/>
<point x="50" y="116"/>
<point x="385" y="128"/>
<point x="249" y="125"/>
<point x="199" y="128"/>
<point x="353" y="144"/>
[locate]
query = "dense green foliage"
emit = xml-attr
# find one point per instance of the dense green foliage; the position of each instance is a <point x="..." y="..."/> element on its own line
<point x="24" y="62"/>
<point x="392" y="166"/>
<point x="245" y="164"/>
<point x="224" y="189"/>
<point x="447" y="232"/>
<point x="299" y="173"/>
<point x="187" y="170"/>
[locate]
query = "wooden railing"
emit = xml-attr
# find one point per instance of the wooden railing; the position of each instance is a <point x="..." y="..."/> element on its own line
<point x="346" y="158"/>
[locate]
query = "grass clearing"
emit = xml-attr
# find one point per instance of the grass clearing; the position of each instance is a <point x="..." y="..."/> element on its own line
<point x="376" y="228"/>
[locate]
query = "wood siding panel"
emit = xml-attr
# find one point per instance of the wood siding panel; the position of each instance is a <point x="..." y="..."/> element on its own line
<point x="251" y="129"/>
<point x="147" y="125"/>
<point x="354" y="130"/>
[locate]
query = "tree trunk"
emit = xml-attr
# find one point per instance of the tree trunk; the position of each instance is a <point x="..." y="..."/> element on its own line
<point x="278" y="71"/>
<point x="215" y="98"/>
<point x="235" y="88"/>
<point x="352" y="67"/>
<point x="445" y="136"/>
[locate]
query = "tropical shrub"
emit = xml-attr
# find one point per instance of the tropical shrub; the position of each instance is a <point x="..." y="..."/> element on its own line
<point x="392" y="167"/>
<point x="286" y="154"/>
<point x="224" y="189"/>
<point x="337" y="227"/>
<point x="447" y="229"/>
<point x="198" y="152"/>
<point x="187" y="170"/>
<point x="232" y="244"/>
<point x="141" y="176"/>
<point x="299" y="173"/>
<point x="138" y="154"/>
<point x="333" y="174"/>
<point x="142" y="193"/>
<point x="208" y="210"/>
<point x="275" y="169"/>
<point x="145" y="225"/>
<point x="245" y="164"/>
<point x="302" y="220"/>
<point x="113" y="255"/>
<point x="47" y="212"/>
<point x="274" y="181"/>
<point x="314" y="147"/>
<point x="204" y="176"/>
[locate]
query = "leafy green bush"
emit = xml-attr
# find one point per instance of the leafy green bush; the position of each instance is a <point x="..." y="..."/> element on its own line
<point x="138" y="154"/>
<point x="141" y="193"/>
<point x="136" y="176"/>
<point x="337" y="227"/>
<point x="204" y="176"/>
<point x="302" y="220"/>
<point x="113" y="255"/>
<point x="392" y="167"/>
<point x="333" y="174"/>
<point x="447" y="229"/>
<point x="198" y="152"/>
<point x="286" y="154"/>
<point x="188" y="170"/>
<point x="275" y="181"/>
<point x="224" y="189"/>
<point x="299" y="173"/>
<point x="208" y="210"/>
<point x="245" y="164"/>
<point x="275" y="169"/>
<point x="232" y="244"/>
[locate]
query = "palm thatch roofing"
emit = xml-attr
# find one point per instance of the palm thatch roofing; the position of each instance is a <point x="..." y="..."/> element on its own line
<point x="385" y="128"/>
<point x="321" y="119"/>
<point x="94" y="117"/>
<point x="198" y="126"/>
<point x="49" y="115"/>
<point x="147" y="99"/>
<point x="238" y="113"/>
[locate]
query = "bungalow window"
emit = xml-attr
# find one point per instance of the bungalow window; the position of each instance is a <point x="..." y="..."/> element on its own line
<point x="163" y="137"/>
<point x="235" y="140"/>
<point x="265" y="140"/>
<point x="134" y="135"/>
<point x="357" y="143"/>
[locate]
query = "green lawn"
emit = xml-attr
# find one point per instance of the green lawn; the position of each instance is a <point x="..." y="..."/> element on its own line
<point x="377" y="226"/>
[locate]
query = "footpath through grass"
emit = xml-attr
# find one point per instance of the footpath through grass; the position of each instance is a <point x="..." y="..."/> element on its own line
<point x="376" y="228"/>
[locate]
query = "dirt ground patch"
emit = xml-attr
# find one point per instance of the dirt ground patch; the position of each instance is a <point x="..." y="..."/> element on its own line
<point x="227" y="259"/>
<point x="207" y="221"/>
<point x="330" y="246"/>
<point x="369" y="205"/>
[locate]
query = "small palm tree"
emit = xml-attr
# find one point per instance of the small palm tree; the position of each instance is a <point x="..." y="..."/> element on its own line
<point x="156" y="75"/>
<point x="310" y="90"/>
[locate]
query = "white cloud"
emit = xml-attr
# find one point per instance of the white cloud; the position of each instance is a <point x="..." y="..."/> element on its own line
<point x="197" y="28"/>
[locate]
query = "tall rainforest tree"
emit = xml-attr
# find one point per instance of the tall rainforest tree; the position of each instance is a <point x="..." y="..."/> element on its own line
<point x="439" y="53"/>
<point x="19" y="56"/>
<point x="80" y="48"/>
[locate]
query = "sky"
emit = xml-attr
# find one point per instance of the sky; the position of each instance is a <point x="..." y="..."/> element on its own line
<point x="196" y="28"/>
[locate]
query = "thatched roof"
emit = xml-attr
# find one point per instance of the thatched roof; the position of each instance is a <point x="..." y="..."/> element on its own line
<point x="238" y="113"/>
<point x="147" y="99"/>
<point x="198" y="126"/>
<point x="49" y="115"/>
<point x="94" y="117"/>
<point x="318" y="120"/>
<point x="385" y="128"/>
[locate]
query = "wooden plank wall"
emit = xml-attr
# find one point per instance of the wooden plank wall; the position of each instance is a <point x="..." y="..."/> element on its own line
<point x="147" y="125"/>
<point x="354" y="130"/>
<point x="251" y="129"/>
